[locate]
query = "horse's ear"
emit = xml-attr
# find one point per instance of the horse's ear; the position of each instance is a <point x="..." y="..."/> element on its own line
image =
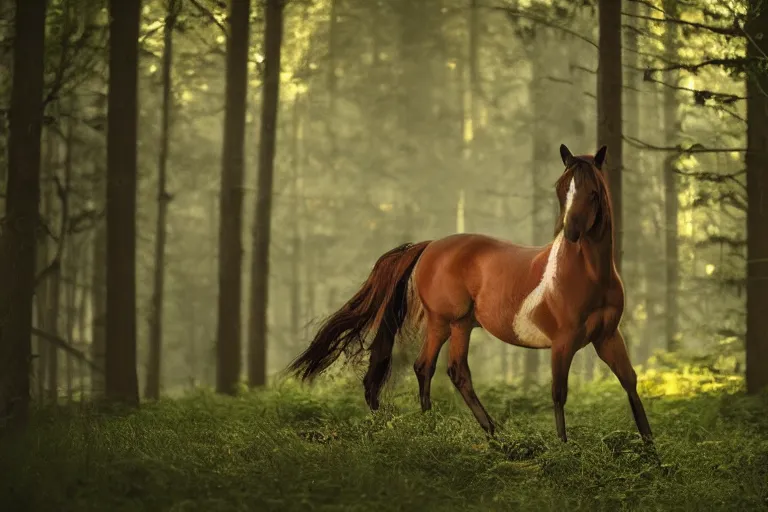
<point x="600" y="157"/>
<point x="565" y="154"/>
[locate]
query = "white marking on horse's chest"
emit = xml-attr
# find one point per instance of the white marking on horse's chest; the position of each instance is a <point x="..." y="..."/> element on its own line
<point x="524" y="326"/>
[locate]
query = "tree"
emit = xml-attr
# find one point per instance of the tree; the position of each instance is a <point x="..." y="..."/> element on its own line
<point x="18" y="236"/>
<point x="152" y="390"/>
<point x="231" y="201"/>
<point x="262" y="225"/>
<point x="98" y="295"/>
<point x="122" y="118"/>
<point x="757" y="190"/>
<point x="671" y="128"/>
<point x="609" y="112"/>
<point x="541" y="205"/>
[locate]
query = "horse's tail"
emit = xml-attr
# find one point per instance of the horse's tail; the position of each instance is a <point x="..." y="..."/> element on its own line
<point x="379" y="307"/>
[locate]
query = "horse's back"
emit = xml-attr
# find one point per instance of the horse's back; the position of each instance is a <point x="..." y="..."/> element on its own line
<point x="453" y="270"/>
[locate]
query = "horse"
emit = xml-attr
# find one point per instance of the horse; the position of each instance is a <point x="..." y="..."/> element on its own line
<point x="562" y="297"/>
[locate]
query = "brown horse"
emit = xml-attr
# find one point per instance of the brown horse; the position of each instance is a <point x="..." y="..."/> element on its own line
<point x="562" y="296"/>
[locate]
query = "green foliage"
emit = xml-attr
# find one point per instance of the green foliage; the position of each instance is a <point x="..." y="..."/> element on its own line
<point x="293" y="449"/>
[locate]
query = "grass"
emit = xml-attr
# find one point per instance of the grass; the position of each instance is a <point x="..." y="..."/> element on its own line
<point x="290" y="448"/>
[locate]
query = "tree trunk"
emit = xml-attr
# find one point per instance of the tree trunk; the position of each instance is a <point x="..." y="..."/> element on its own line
<point x="257" y="335"/>
<point x="757" y="210"/>
<point x="122" y="118"/>
<point x="609" y="113"/>
<point x="332" y="85"/>
<point x="542" y="222"/>
<point x="73" y="274"/>
<point x="152" y="389"/>
<point x="310" y="284"/>
<point x="42" y="291"/>
<point x="635" y="180"/>
<point x="81" y="313"/>
<point x="210" y="348"/>
<point x="672" y="130"/>
<point x="18" y="239"/>
<point x="98" y="299"/>
<point x="67" y="244"/>
<point x="474" y="67"/>
<point x="6" y="13"/>
<point x="296" y="249"/>
<point x="228" y="346"/>
<point x="654" y="264"/>
<point x="54" y="278"/>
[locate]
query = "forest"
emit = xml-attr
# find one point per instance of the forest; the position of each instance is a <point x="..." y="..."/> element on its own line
<point x="192" y="191"/>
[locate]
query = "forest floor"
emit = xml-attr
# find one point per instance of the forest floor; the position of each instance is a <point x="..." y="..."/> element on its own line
<point x="290" y="448"/>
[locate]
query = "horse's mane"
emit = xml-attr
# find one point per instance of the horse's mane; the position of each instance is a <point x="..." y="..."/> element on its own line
<point x="583" y="168"/>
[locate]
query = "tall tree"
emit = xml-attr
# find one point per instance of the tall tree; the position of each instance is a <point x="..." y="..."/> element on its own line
<point x="122" y="119"/>
<point x="757" y="191"/>
<point x="632" y="201"/>
<point x="231" y="201"/>
<point x="152" y="390"/>
<point x="53" y="293"/>
<point x="262" y="225"/>
<point x="296" y="245"/>
<point x="6" y="62"/>
<point x="541" y="205"/>
<point x="98" y="293"/>
<point x="333" y="50"/>
<point x="671" y="131"/>
<point x="609" y="112"/>
<point x="18" y="235"/>
<point x="44" y="290"/>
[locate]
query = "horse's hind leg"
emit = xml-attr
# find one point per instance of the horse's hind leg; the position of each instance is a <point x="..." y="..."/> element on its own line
<point x="613" y="351"/>
<point x="424" y="367"/>
<point x="458" y="371"/>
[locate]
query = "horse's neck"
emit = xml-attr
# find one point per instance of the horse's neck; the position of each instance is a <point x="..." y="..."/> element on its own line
<point x="598" y="255"/>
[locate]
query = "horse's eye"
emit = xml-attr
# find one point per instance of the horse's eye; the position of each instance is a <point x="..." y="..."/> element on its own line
<point x="594" y="196"/>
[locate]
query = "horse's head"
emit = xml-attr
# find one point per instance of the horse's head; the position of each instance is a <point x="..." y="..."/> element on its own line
<point x="583" y="194"/>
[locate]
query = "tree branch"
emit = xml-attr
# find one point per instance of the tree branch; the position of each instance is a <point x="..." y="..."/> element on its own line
<point x="729" y="198"/>
<point x="700" y="95"/>
<point x="208" y="14"/>
<point x="735" y="30"/>
<point x="695" y="148"/>
<point x="734" y="243"/>
<point x="515" y="13"/>
<point x="66" y="347"/>
<point x="737" y="63"/>
<point x="713" y="177"/>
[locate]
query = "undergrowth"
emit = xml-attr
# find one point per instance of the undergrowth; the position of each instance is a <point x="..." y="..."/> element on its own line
<point x="294" y="448"/>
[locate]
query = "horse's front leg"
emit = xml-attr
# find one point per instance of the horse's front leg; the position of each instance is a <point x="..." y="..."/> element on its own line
<point x="563" y="350"/>
<point x="613" y="352"/>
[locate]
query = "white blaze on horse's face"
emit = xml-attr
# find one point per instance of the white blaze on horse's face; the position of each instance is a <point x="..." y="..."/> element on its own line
<point x="570" y="196"/>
